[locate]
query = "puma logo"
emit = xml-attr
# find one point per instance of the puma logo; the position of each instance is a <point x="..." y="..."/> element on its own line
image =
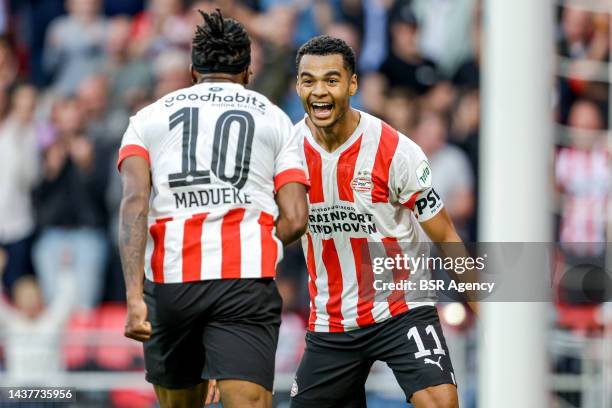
<point x="430" y="361"/>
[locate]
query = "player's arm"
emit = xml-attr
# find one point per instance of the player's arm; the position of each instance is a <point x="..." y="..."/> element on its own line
<point x="440" y="230"/>
<point x="293" y="212"/>
<point x="290" y="183"/>
<point x="133" y="213"/>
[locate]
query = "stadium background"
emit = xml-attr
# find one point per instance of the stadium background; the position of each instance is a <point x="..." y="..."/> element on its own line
<point x="72" y="72"/>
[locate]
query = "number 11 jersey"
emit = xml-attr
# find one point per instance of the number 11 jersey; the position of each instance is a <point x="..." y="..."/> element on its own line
<point x="217" y="153"/>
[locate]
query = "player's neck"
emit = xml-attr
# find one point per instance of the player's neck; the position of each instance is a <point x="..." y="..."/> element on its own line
<point x="219" y="78"/>
<point x="334" y="136"/>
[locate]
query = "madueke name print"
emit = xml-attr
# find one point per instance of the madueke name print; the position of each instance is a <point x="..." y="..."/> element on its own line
<point x="216" y="196"/>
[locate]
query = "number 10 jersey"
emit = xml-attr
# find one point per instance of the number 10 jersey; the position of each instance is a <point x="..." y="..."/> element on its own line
<point x="217" y="153"/>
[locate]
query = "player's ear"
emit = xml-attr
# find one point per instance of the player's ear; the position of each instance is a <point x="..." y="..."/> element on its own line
<point x="194" y="76"/>
<point x="353" y="85"/>
<point x="297" y="84"/>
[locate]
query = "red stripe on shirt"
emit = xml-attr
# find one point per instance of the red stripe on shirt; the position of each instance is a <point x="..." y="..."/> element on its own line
<point x="397" y="300"/>
<point x="132" y="150"/>
<point x="290" y="176"/>
<point x="312" y="287"/>
<point x="346" y="170"/>
<point x="334" y="284"/>
<point x="314" y="163"/>
<point x="382" y="163"/>
<point x="410" y="203"/>
<point x="365" y="281"/>
<point x="269" y="249"/>
<point x="192" y="247"/>
<point x="230" y="244"/>
<point x="158" y="233"/>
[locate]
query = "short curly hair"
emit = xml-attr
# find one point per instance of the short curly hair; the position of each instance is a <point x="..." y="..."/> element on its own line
<point x="326" y="45"/>
<point x="220" y="45"/>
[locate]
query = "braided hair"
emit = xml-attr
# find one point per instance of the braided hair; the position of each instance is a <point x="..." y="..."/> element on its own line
<point x="220" y="45"/>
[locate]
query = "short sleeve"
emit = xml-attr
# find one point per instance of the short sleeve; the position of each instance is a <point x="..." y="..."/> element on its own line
<point x="288" y="164"/>
<point x="413" y="182"/>
<point x="132" y="144"/>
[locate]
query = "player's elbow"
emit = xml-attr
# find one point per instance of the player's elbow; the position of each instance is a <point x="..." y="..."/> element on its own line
<point x="134" y="202"/>
<point x="292" y="224"/>
<point x="297" y="222"/>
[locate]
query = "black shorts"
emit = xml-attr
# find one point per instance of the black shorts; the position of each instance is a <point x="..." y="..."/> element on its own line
<point x="221" y="329"/>
<point x="335" y="366"/>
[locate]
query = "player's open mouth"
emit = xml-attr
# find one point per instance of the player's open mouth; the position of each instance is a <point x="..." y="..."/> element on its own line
<point x="322" y="110"/>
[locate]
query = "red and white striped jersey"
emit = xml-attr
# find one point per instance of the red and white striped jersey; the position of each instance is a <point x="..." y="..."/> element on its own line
<point x="217" y="153"/>
<point x="372" y="189"/>
<point x="583" y="176"/>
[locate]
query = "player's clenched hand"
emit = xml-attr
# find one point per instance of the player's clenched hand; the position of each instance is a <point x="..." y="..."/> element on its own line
<point x="136" y="326"/>
<point x="212" y="394"/>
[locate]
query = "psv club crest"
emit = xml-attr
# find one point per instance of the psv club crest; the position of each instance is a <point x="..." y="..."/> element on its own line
<point x="362" y="182"/>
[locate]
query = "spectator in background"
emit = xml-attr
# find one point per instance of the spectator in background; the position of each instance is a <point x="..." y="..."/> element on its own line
<point x="401" y="110"/>
<point x="105" y="123"/>
<point x="32" y="332"/>
<point x="130" y="78"/>
<point x="373" y="88"/>
<point x="8" y="64"/>
<point x="170" y="73"/>
<point x="75" y="45"/>
<point x="465" y="126"/>
<point x="309" y="18"/>
<point x="70" y="208"/>
<point x="454" y="181"/>
<point x="274" y="31"/>
<point x="582" y="173"/>
<point x="351" y="11"/>
<point x="160" y="27"/>
<point x="467" y="75"/>
<point x="583" y="39"/>
<point x="445" y="27"/>
<point x="345" y="32"/>
<point x="19" y="158"/>
<point x="368" y="20"/>
<point x="440" y="98"/>
<point x="584" y="35"/>
<point x="405" y="66"/>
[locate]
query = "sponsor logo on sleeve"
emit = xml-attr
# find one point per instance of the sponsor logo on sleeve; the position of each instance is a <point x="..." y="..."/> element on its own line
<point x="428" y="204"/>
<point x="423" y="174"/>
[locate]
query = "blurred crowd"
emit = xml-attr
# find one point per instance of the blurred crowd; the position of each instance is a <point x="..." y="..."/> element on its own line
<point x="583" y="181"/>
<point x="73" y="71"/>
<point x="582" y="166"/>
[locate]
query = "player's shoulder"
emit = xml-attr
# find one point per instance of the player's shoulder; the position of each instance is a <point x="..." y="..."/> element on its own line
<point x="406" y="154"/>
<point x="300" y="128"/>
<point x="153" y="110"/>
<point x="406" y="147"/>
<point x="395" y="141"/>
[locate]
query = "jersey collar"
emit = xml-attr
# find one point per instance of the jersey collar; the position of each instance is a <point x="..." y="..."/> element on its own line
<point x="359" y="130"/>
